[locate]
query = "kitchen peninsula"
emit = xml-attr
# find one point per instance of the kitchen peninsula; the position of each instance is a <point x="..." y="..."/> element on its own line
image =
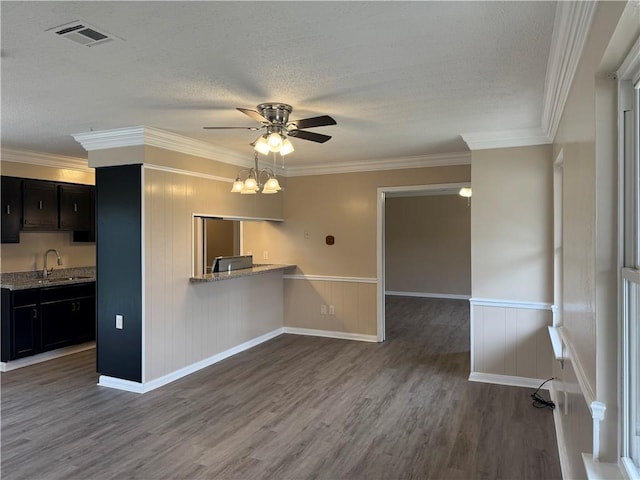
<point x="149" y="186"/>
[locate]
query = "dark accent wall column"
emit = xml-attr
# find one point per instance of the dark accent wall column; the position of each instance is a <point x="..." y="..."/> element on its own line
<point x="119" y="271"/>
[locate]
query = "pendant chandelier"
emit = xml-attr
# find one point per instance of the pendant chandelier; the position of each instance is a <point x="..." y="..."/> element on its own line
<point x="253" y="180"/>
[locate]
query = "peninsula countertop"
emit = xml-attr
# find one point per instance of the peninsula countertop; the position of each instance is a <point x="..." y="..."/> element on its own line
<point x="257" y="269"/>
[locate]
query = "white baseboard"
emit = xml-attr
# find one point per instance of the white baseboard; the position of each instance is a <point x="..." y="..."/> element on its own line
<point x="331" y="334"/>
<point x="137" y="387"/>
<point x="43" y="357"/>
<point x="452" y="296"/>
<point x="507" y="380"/>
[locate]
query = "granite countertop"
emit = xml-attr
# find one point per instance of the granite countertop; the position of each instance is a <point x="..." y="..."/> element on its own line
<point x="59" y="276"/>
<point x="245" y="272"/>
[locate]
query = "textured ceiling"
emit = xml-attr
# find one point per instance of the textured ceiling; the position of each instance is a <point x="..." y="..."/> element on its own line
<point x="402" y="79"/>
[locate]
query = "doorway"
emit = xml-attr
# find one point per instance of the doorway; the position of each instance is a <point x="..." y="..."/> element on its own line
<point x="383" y="194"/>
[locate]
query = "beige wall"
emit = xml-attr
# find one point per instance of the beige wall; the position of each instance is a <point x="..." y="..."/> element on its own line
<point x="341" y="205"/>
<point x="511" y="262"/>
<point x="587" y="140"/>
<point x="511" y="224"/>
<point x="344" y="206"/>
<point x="28" y="254"/>
<point x="428" y="244"/>
<point x="187" y="323"/>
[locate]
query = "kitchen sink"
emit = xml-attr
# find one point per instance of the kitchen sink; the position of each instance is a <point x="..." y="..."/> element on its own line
<point x="65" y="279"/>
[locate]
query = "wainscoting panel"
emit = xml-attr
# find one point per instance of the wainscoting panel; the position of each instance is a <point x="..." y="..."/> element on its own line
<point x="511" y="339"/>
<point x="354" y="305"/>
<point x="186" y="323"/>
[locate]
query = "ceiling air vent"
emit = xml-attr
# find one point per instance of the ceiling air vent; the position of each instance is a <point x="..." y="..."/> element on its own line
<point x="82" y="33"/>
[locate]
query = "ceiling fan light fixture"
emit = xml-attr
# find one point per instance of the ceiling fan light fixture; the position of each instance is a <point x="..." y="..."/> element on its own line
<point x="286" y="148"/>
<point x="275" y="141"/>
<point x="261" y="145"/>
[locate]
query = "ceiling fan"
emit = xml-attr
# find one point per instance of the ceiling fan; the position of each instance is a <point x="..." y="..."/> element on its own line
<point x="274" y="118"/>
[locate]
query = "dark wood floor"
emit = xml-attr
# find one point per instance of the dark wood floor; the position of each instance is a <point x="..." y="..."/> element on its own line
<point x="292" y="408"/>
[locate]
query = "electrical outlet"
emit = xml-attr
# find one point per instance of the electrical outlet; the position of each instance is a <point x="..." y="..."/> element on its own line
<point x="323" y="309"/>
<point x="332" y="310"/>
<point x="307" y="235"/>
<point x="265" y="255"/>
<point x="119" y="322"/>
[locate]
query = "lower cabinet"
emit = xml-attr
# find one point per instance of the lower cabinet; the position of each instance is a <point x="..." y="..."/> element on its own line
<point x="42" y="319"/>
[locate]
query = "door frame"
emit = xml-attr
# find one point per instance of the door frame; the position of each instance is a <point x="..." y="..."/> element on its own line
<point x="382" y="194"/>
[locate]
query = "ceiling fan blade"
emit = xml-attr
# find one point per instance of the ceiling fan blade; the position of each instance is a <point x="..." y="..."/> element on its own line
<point x="253" y="114"/>
<point x="311" y="122"/>
<point x="232" y="128"/>
<point x="304" y="135"/>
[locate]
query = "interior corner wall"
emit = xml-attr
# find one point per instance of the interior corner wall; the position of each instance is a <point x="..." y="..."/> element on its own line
<point x="511" y="261"/>
<point x="343" y="274"/>
<point x="28" y="254"/>
<point x="428" y="245"/>
<point x="587" y="138"/>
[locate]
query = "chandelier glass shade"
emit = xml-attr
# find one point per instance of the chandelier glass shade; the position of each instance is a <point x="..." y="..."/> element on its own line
<point x="252" y="182"/>
<point x="273" y="141"/>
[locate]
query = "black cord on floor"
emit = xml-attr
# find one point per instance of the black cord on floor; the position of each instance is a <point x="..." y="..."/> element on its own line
<point x="540" y="402"/>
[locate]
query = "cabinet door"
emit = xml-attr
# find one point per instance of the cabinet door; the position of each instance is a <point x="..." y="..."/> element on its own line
<point x="57" y="324"/>
<point x="11" y="209"/>
<point x="25" y="338"/>
<point x="75" y="207"/>
<point x="84" y="310"/>
<point x="88" y="235"/>
<point x="39" y="205"/>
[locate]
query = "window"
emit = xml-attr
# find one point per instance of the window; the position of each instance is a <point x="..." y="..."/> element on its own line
<point x="629" y="182"/>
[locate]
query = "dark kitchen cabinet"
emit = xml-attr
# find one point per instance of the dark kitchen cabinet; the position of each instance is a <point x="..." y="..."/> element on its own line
<point x="41" y="319"/>
<point x="20" y="324"/>
<point x="11" y="209"/>
<point x="39" y="205"/>
<point x="68" y="315"/>
<point x="88" y="235"/>
<point x="75" y="207"/>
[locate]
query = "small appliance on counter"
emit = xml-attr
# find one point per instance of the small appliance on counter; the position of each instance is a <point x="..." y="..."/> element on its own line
<point x="236" y="262"/>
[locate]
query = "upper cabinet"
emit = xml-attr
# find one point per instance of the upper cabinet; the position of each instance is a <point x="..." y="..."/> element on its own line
<point x="11" y="209"/>
<point x="75" y="207"/>
<point x="41" y="205"/>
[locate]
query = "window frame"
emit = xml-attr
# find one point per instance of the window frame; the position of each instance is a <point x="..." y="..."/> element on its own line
<point x="629" y="259"/>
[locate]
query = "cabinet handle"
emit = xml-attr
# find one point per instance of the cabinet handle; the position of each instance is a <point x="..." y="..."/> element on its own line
<point x="75" y="207"/>
<point x="8" y="209"/>
<point x="40" y="204"/>
<point x="35" y="313"/>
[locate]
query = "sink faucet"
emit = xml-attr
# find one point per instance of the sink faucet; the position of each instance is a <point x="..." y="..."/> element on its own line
<point x="46" y="272"/>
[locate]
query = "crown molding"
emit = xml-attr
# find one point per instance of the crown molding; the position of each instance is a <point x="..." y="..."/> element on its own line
<point x="506" y="139"/>
<point x="570" y="30"/>
<point x="438" y="160"/>
<point x="154" y="137"/>
<point x="45" y="160"/>
<point x="631" y="64"/>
